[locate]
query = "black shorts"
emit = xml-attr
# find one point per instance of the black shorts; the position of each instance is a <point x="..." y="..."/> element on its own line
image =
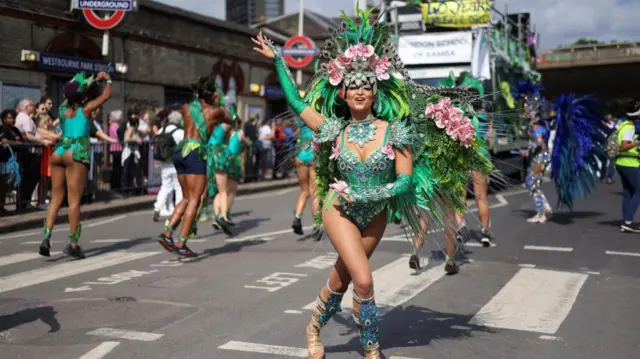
<point x="190" y="165"/>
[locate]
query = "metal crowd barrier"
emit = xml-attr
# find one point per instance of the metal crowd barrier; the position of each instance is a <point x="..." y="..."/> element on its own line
<point x="110" y="177"/>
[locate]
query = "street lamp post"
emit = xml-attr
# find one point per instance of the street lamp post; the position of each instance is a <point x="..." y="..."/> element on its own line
<point x="300" y="32"/>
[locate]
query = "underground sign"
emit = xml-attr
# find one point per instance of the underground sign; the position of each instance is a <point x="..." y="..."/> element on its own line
<point x="299" y="51"/>
<point x="118" y="7"/>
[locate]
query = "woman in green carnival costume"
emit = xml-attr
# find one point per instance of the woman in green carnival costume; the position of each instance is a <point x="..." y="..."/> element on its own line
<point x="480" y="181"/>
<point x="72" y="156"/>
<point x="217" y="166"/>
<point x="305" y="168"/>
<point x="201" y="116"/>
<point x="386" y="147"/>
<point x="233" y="151"/>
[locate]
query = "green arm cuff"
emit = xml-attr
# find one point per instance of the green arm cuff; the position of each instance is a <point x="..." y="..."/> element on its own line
<point x="401" y="185"/>
<point x="288" y="85"/>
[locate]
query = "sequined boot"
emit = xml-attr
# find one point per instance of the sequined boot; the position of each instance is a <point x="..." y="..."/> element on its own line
<point x="71" y="250"/>
<point x="323" y="311"/>
<point x="45" y="245"/>
<point x="366" y="315"/>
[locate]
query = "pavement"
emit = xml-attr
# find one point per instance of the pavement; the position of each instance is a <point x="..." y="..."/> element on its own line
<point x="564" y="289"/>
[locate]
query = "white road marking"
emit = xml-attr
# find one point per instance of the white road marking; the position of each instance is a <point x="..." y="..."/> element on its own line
<point x="527" y="265"/>
<point x="501" y="203"/>
<point x="31" y="243"/>
<point x="265" y="349"/>
<point x="263" y="236"/>
<point x="593" y="273"/>
<point x="63" y="229"/>
<point x="21" y="257"/>
<point x="84" y="288"/>
<point x="395" y="284"/>
<point x="549" y="337"/>
<point x="50" y="273"/>
<point x="291" y="311"/>
<point x="534" y="300"/>
<point x="126" y="334"/>
<point x="628" y="254"/>
<point x="477" y="244"/>
<point x="105" y="221"/>
<point x="461" y="327"/>
<point x="549" y="249"/>
<point x="101" y="350"/>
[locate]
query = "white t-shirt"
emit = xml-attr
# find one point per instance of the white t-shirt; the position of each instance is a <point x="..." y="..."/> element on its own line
<point x="178" y="135"/>
<point x="263" y="134"/>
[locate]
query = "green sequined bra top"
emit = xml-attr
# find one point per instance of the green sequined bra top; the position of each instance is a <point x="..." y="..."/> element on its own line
<point x="372" y="183"/>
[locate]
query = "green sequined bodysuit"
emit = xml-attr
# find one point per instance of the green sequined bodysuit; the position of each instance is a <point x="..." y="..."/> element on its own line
<point x="376" y="170"/>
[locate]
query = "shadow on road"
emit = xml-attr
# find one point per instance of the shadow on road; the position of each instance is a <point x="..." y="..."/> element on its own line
<point x="227" y="248"/>
<point x="410" y="326"/>
<point x="562" y="218"/>
<point x="46" y="314"/>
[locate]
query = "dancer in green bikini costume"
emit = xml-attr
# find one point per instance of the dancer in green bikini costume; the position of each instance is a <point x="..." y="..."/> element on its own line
<point x="217" y="166"/>
<point x="305" y="168"/>
<point x="201" y="116"/>
<point x="480" y="181"/>
<point x="72" y="156"/>
<point x="386" y="146"/>
<point x="233" y="156"/>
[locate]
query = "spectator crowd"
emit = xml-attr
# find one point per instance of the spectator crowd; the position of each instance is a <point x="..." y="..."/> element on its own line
<point x="122" y="153"/>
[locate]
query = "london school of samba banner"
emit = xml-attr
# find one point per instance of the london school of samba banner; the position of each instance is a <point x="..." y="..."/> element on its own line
<point x="456" y="13"/>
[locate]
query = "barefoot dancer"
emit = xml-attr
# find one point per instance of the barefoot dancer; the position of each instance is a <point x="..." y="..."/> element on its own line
<point x="306" y="171"/>
<point x="377" y="162"/>
<point x="72" y="156"/>
<point x="200" y="117"/>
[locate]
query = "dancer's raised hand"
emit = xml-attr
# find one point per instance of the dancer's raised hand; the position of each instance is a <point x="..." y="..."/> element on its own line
<point x="264" y="46"/>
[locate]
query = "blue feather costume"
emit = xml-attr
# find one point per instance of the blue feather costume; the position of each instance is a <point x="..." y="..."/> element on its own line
<point x="578" y="147"/>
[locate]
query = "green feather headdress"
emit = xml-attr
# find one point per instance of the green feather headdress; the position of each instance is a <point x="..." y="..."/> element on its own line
<point x="465" y="81"/>
<point x="78" y="84"/>
<point x="359" y="52"/>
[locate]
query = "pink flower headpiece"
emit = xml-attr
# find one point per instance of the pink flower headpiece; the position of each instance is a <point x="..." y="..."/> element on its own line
<point x="451" y="118"/>
<point x="358" y="65"/>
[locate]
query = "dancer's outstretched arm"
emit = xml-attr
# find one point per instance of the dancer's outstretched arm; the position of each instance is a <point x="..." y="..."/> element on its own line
<point x="100" y="100"/>
<point x="308" y="115"/>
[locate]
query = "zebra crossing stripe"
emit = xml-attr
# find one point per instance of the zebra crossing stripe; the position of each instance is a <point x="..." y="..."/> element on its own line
<point x="68" y="269"/>
<point x="534" y="300"/>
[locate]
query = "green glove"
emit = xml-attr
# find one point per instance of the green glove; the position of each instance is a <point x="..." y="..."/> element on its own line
<point x="401" y="185"/>
<point x="289" y="87"/>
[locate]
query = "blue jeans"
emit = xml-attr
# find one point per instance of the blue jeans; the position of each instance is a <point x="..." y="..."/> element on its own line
<point x="630" y="178"/>
<point x="611" y="167"/>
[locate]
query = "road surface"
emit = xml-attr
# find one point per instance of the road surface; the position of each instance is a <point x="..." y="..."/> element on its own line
<point x="566" y="289"/>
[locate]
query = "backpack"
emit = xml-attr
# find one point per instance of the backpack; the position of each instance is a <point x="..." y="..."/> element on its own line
<point x="612" y="148"/>
<point x="164" y="145"/>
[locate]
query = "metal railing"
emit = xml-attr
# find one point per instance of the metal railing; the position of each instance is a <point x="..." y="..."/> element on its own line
<point x="114" y="172"/>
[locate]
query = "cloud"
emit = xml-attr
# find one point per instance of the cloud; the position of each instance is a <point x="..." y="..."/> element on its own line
<point x="561" y="22"/>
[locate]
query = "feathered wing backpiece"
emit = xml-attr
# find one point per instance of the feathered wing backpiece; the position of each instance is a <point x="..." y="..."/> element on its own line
<point x="578" y="148"/>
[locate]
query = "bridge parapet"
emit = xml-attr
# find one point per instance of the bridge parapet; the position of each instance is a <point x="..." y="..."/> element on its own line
<point x="594" y="55"/>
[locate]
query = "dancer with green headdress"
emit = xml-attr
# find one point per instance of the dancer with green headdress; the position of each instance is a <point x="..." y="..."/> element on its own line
<point x="385" y="147"/>
<point x="72" y="155"/>
<point x="480" y="181"/>
<point x="201" y="116"/>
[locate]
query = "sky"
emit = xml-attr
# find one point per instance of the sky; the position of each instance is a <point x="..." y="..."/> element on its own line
<point x="559" y="22"/>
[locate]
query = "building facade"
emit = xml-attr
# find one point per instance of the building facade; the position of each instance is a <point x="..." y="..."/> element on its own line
<point x="159" y="51"/>
<point x="250" y="12"/>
